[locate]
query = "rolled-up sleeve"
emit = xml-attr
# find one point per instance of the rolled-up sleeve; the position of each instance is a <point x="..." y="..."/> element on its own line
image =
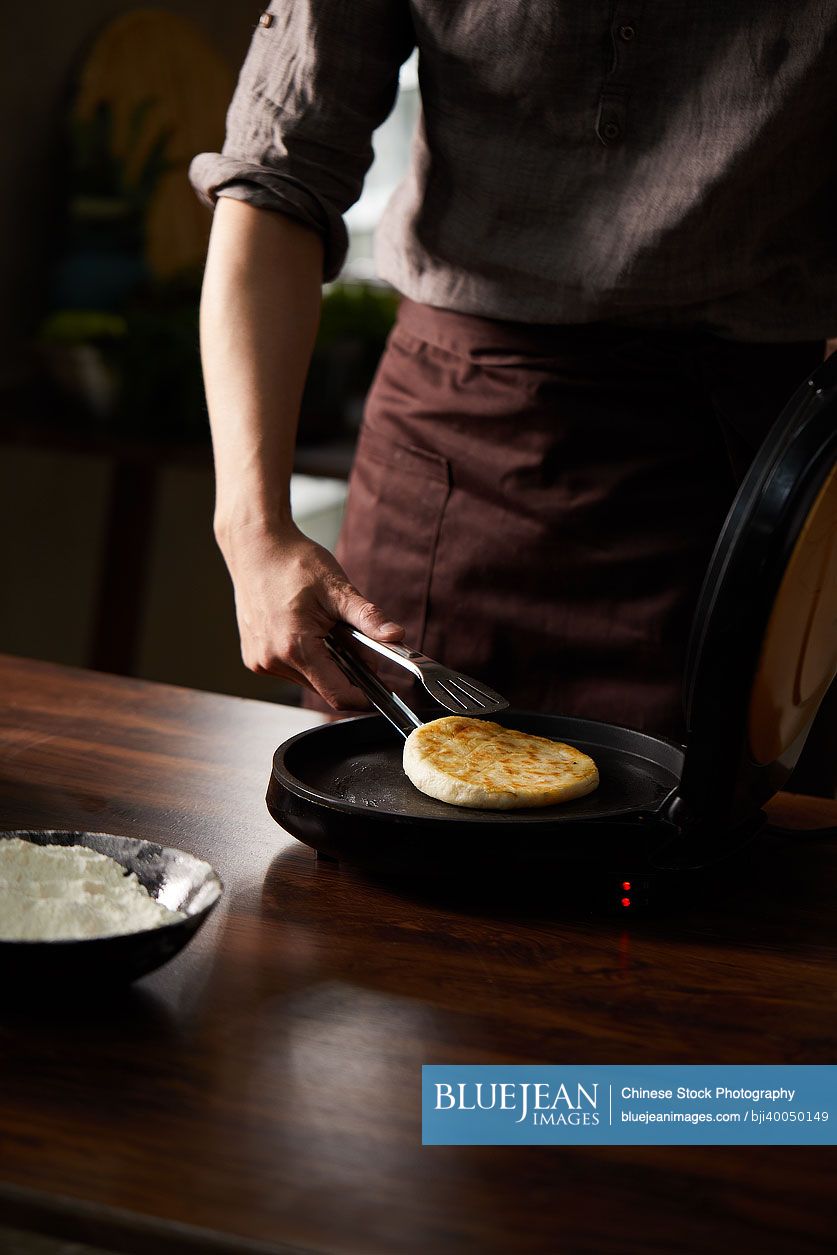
<point x="319" y="77"/>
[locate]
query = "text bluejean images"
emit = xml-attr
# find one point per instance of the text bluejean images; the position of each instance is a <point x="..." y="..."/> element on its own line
<point x="665" y="1104"/>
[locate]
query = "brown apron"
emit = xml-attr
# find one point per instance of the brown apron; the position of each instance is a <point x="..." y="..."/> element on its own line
<point x="538" y="505"/>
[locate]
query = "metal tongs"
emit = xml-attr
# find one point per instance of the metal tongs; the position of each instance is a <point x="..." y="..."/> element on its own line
<point x="455" y="692"/>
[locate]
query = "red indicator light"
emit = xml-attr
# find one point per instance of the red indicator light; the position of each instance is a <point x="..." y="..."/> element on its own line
<point x="626" y="901"/>
<point x="626" y="884"/>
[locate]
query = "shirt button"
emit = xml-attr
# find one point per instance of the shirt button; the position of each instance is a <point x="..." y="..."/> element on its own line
<point x="266" y="19"/>
<point x="627" y="33"/>
<point x="611" y="131"/>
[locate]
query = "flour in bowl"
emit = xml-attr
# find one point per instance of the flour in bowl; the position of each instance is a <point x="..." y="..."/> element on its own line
<point x="68" y="892"/>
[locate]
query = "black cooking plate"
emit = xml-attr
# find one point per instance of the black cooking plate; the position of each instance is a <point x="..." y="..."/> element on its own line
<point x="342" y="789"/>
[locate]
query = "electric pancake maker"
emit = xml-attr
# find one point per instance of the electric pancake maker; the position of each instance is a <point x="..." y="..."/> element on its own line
<point x="762" y="655"/>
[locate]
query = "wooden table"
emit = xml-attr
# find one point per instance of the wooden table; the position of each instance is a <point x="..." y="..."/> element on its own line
<point x="260" y="1094"/>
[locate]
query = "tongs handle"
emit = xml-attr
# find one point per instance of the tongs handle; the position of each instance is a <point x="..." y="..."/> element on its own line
<point x="387" y="703"/>
<point x="400" y="654"/>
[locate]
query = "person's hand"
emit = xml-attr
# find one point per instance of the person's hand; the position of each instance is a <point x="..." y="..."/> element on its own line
<point x="289" y="593"/>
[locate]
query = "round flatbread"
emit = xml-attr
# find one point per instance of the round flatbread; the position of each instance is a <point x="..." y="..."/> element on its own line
<point x="472" y="762"/>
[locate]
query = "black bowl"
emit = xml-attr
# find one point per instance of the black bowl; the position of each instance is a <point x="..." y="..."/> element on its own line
<point x="180" y="881"/>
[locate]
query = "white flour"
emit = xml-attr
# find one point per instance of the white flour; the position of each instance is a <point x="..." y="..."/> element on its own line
<point x="67" y="892"/>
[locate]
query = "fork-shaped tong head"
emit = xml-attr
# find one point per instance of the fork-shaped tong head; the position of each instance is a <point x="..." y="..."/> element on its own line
<point x="458" y="693"/>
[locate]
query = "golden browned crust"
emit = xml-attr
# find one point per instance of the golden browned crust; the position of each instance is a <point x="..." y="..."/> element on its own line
<point x="472" y="762"/>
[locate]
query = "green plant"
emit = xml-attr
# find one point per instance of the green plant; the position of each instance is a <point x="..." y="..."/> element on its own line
<point x="359" y="311"/>
<point x="82" y="326"/>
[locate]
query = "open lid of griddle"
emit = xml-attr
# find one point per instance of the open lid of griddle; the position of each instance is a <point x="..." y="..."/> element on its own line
<point x="763" y="649"/>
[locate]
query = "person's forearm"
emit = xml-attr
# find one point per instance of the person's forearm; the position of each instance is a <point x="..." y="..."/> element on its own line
<point x="259" y="315"/>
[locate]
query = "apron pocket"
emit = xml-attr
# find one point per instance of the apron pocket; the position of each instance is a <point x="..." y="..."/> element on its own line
<point x="397" y="497"/>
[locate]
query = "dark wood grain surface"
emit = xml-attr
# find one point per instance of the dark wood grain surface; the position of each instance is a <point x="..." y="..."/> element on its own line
<point x="261" y="1092"/>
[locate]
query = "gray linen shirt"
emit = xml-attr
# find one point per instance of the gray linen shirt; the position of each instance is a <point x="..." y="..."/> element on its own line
<point x="656" y="162"/>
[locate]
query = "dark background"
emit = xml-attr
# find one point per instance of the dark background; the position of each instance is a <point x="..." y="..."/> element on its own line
<point x="106" y="551"/>
<point x="74" y="485"/>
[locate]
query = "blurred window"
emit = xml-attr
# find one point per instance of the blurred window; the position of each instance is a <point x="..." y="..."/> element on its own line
<point x="392" y="158"/>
